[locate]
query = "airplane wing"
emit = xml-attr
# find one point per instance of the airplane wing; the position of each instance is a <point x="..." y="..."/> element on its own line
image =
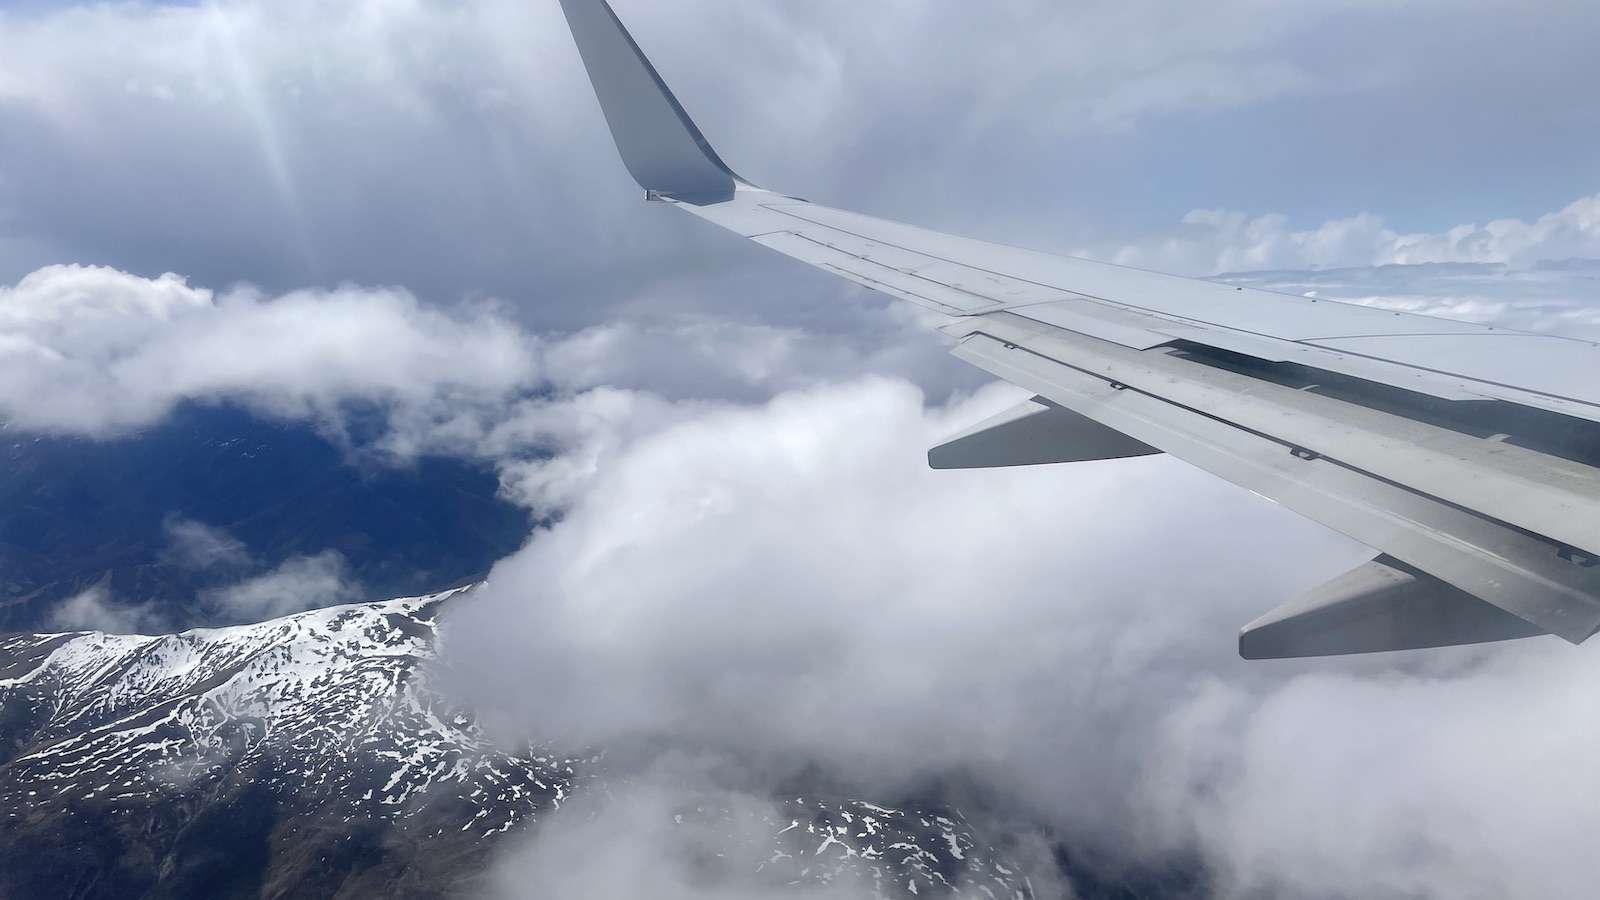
<point x="1465" y="455"/>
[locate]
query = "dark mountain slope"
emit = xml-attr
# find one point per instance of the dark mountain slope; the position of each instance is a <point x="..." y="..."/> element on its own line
<point x="75" y="512"/>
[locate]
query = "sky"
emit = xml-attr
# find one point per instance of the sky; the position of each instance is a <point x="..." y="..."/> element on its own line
<point x="307" y="208"/>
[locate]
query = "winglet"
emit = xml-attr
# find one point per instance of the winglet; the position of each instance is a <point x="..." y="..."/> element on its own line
<point x="658" y="141"/>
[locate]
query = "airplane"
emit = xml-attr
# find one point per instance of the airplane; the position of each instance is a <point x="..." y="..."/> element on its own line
<point x="1466" y="456"/>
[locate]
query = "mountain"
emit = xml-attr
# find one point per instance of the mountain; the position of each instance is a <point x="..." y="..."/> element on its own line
<point x="313" y="756"/>
<point x="76" y="513"/>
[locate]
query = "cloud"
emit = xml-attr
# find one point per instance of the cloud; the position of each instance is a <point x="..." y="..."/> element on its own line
<point x="791" y="586"/>
<point x="97" y="352"/>
<point x="93" y="610"/>
<point x="197" y="546"/>
<point x="1464" y="784"/>
<point x="93" y="351"/>
<point x="787" y="588"/>
<point x="296" y="585"/>
<point x="676" y="829"/>
<point x="718" y="356"/>
<point x="1215" y="240"/>
<point x="661" y="838"/>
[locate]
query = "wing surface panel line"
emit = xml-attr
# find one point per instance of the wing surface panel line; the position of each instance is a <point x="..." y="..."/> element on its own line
<point x="1592" y="409"/>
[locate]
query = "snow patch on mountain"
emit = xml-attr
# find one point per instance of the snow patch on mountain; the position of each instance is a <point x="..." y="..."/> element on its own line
<point x="334" y="702"/>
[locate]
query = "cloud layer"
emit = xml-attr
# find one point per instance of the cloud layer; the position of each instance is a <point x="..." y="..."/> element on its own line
<point x="90" y="350"/>
<point x="784" y="588"/>
<point x="1470" y="783"/>
<point x="1216" y="240"/>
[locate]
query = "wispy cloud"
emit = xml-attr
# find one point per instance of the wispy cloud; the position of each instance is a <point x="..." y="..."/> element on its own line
<point x="95" y="610"/>
<point x="297" y="584"/>
<point x="197" y="546"/>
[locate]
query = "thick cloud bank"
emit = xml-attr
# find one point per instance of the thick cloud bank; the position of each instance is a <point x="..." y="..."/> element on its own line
<point x="786" y="588"/>
<point x="94" y="351"/>
<point x="1471" y="782"/>
<point x="89" y="350"/>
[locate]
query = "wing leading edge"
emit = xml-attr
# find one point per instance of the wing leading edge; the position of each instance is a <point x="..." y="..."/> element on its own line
<point x="1466" y="455"/>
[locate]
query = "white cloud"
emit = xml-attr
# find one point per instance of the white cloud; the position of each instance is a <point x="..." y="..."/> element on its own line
<point x="660" y="838"/>
<point x="788" y="588"/>
<point x="1215" y="240"/>
<point x="93" y="351"/>
<point x="198" y="546"/>
<point x="93" y="610"/>
<point x="1467" y="784"/>
<point x="97" y="352"/>
<point x="790" y="584"/>
<point x="297" y="584"/>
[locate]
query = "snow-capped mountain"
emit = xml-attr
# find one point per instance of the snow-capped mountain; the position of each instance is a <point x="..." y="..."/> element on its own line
<point x="311" y="756"/>
<point x="327" y="702"/>
<point x="897" y="852"/>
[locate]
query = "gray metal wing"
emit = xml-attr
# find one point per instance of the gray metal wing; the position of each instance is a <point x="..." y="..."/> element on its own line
<point x="1466" y="454"/>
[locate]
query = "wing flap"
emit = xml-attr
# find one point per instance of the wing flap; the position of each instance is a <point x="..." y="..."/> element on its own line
<point x="1505" y="566"/>
<point x="1546" y="495"/>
